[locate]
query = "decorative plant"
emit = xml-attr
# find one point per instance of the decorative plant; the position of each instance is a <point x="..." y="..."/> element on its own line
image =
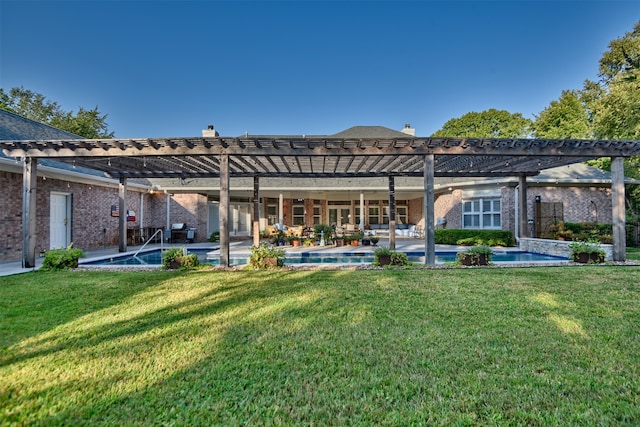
<point x="475" y="255"/>
<point x="62" y="259"/>
<point x="589" y="251"/>
<point x="374" y="239"/>
<point x="265" y="257"/>
<point x="383" y="255"/>
<point x="278" y="239"/>
<point x="177" y="258"/>
<point x="215" y="236"/>
<point x="323" y="230"/>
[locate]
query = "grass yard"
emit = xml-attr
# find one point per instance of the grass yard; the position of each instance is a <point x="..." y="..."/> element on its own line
<point x="489" y="346"/>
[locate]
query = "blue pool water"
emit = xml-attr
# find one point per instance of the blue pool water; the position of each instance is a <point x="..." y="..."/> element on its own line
<point x="154" y="257"/>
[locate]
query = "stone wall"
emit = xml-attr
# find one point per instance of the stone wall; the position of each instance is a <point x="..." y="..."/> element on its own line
<point x="555" y="247"/>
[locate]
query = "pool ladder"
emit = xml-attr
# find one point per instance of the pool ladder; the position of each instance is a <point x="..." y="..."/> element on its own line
<point x="149" y="240"/>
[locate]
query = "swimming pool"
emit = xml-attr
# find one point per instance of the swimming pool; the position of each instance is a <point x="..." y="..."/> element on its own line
<point x="209" y="256"/>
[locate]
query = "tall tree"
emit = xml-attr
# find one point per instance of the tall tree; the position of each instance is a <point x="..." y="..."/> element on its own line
<point x="487" y="124"/>
<point x="565" y="118"/>
<point x="615" y="98"/>
<point x="35" y="106"/>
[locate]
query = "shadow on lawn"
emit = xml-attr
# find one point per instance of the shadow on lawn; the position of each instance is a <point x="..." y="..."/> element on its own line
<point x="46" y="300"/>
<point x="241" y="310"/>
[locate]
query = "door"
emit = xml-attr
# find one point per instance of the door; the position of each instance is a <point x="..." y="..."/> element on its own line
<point x="339" y="215"/>
<point x="60" y="221"/>
<point x="241" y="216"/>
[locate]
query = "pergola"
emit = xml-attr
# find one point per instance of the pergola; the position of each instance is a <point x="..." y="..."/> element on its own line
<point x="317" y="157"/>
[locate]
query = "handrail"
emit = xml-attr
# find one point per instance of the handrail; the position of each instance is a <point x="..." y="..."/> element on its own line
<point x="150" y="239"/>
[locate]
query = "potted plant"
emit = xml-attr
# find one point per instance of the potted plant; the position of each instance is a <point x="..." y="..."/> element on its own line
<point x="475" y="255"/>
<point x="278" y="239"/>
<point x="374" y="239"/>
<point x="309" y="242"/>
<point x="294" y="240"/>
<point x="586" y="252"/>
<point x="266" y="257"/>
<point x="382" y="255"/>
<point x="339" y="240"/>
<point x="323" y="231"/>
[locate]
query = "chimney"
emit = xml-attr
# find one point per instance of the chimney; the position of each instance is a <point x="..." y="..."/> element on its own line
<point x="408" y="130"/>
<point x="209" y="132"/>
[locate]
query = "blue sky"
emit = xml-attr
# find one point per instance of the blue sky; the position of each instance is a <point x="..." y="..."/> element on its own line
<point x="170" y="68"/>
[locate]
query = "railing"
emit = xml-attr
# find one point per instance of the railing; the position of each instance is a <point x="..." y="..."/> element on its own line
<point x="151" y="239"/>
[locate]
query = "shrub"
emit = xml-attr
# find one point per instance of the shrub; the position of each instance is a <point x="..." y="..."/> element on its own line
<point x="215" y="236"/>
<point x="265" y="257"/>
<point x="449" y="236"/>
<point x="393" y="257"/>
<point x="62" y="259"/>
<point x="589" y="247"/>
<point x="318" y="229"/>
<point x="177" y="258"/>
<point x="475" y="255"/>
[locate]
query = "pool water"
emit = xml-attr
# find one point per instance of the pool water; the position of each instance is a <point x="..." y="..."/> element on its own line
<point x="154" y="257"/>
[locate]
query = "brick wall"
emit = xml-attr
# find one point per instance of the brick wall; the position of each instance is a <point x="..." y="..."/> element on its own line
<point x="92" y="225"/>
<point x="191" y="209"/>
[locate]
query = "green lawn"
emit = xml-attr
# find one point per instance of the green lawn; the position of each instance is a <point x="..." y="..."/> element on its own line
<point x="633" y="253"/>
<point x="490" y="346"/>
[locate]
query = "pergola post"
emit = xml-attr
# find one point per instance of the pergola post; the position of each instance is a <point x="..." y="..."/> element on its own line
<point x="392" y="212"/>
<point x="224" y="210"/>
<point x="618" y="211"/>
<point x="122" y="218"/>
<point x="429" y="211"/>
<point x="256" y="211"/>
<point x="361" y="211"/>
<point x="281" y="211"/>
<point x="29" y="184"/>
<point x="523" y="222"/>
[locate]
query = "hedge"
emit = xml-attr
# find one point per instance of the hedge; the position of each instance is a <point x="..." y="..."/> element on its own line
<point x="445" y="236"/>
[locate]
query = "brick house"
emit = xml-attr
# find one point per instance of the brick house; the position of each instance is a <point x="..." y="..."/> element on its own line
<point x="79" y="205"/>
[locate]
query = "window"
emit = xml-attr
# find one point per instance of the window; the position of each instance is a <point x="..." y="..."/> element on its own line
<point x="401" y="215"/>
<point x="272" y="213"/>
<point x="317" y="212"/>
<point x="374" y="215"/>
<point x="298" y="213"/>
<point x="481" y="213"/>
<point x="357" y="212"/>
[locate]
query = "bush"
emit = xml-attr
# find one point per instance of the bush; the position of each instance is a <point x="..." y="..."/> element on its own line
<point x="177" y="258"/>
<point x="475" y="255"/>
<point x="62" y="259"/>
<point x="215" y="236"/>
<point x="265" y="257"/>
<point x="446" y="236"/>
<point x="392" y="257"/>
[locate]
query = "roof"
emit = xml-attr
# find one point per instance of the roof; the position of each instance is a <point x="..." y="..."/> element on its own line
<point x="14" y="126"/>
<point x="361" y="151"/>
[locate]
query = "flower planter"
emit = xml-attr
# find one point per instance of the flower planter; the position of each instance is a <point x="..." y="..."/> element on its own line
<point x="339" y="242"/>
<point x="588" y="258"/>
<point x="384" y="259"/>
<point x="473" y="259"/>
<point x="354" y="243"/>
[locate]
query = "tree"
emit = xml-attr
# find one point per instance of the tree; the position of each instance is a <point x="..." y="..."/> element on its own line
<point x="487" y="124"/>
<point x="613" y="104"/>
<point x="565" y="118"/>
<point x="35" y="106"/>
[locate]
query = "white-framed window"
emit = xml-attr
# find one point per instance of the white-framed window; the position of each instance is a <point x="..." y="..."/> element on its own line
<point x="317" y="212"/>
<point x="402" y="215"/>
<point x="482" y="213"/>
<point x="272" y="211"/>
<point x="374" y="214"/>
<point x="298" y="212"/>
